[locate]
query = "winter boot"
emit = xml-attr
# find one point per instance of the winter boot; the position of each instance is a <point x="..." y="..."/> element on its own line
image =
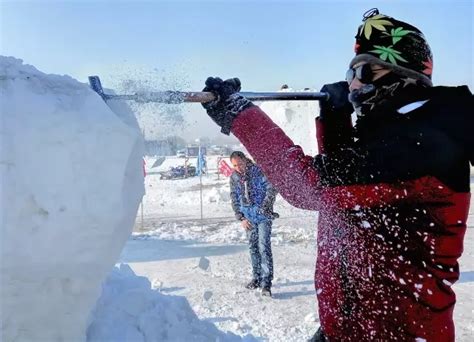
<point x="266" y="291"/>
<point x="253" y="284"/>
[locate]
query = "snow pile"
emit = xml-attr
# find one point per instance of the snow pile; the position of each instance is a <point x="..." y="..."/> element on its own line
<point x="129" y="310"/>
<point x="297" y="120"/>
<point x="72" y="180"/>
<point x="217" y="195"/>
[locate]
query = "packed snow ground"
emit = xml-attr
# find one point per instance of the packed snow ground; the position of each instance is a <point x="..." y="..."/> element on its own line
<point x="207" y="260"/>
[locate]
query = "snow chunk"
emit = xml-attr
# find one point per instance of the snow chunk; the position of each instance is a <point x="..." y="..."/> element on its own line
<point x="310" y="318"/>
<point x="129" y="310"/>
<point x="207" y="295"/>
<point x="204" y="263"/>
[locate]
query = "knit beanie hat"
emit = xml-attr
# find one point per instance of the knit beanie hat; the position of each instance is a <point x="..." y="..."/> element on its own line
<point x="395" y="45"/>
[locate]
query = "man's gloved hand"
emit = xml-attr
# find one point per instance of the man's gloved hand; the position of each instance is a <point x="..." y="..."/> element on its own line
<point x="265" y="212"/>
<point x="338" y="103"/>
<point x="335" y="113"/>
<point x="268" y="213"/>
<point x="227" y="104"/>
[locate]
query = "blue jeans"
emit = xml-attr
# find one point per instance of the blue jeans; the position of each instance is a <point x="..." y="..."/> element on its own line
<point x="261" y="252"/>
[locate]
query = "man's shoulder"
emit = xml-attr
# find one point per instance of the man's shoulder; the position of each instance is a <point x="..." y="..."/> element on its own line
<point x="235" y="176"/>
<point x="255" y="168"/>
<point x="450" y="92"/>
<point x="256" y="171"/>
<point x="451" y="99"/>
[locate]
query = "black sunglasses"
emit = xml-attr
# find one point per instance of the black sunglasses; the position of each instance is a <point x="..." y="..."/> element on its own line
<point x="364" y="73"/>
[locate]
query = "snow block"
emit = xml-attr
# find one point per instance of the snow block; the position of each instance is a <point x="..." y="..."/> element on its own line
<point x="129" y="310"/>
<point x="71" y="183"/>
<point x="297" y="119"/>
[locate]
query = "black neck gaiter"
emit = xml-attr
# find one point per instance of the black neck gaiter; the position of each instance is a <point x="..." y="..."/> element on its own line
<point x="386" y="95"/>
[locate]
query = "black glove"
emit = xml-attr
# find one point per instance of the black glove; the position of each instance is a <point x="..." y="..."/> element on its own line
<point x="337" y="105"/>
<point x="265" y="212"/>
<point x="335" y="113"/>
<point x="227" y="104"/>
<point x="239" y="216"/>
<point x="268" y="213"/>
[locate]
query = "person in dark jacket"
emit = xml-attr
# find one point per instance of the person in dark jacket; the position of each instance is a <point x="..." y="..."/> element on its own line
<point x="252" y="198"/>
<point x="393" y="192"/>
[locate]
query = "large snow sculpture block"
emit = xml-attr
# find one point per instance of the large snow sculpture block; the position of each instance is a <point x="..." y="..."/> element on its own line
<point x="71" y="182"/>
<point x="297" y="119"/>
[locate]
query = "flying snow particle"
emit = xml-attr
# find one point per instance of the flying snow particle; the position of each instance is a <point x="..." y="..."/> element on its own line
<point x="310" y="318"/>
<point x="447" y="282"/>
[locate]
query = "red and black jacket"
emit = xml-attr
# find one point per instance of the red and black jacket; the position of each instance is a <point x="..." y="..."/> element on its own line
<point x="393" y="203"/>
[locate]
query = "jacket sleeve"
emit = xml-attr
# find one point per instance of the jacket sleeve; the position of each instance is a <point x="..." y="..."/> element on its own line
<point x="390" y="172"/>
<point x="270" y="194"/>
<point x="333" y="135"/>
<point x="235" y="198"/>
<point x="284" y="163"/>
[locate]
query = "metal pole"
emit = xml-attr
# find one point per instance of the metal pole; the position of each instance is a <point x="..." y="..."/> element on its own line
<point x="200" y="177"/>
<point x="141" y="205"/>
<point x="202" y="97"/>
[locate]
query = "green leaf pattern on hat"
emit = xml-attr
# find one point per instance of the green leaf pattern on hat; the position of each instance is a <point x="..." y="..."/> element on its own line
<point x="388" y="53"/>
<point x="397" y="34"/>
<point x="376" y="22"/>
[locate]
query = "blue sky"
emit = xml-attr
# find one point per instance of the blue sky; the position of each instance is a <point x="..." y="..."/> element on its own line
<point x="265" y="43"/>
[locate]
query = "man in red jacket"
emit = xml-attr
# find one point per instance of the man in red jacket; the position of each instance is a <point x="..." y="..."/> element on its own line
<point x="393" y="192"/>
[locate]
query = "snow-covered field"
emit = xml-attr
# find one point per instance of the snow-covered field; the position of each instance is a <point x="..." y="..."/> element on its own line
<point x="207" y="260"/>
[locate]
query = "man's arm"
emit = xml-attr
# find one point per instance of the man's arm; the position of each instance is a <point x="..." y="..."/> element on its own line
<point x="269" y="199"/>
<point x="288" y="169"/>
<point x="235" y="197"/>
<point x="285" y="164"/>
<point x="351" y="177"/>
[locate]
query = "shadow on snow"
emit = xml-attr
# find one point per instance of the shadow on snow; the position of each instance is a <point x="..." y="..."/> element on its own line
<point x="159" y="250"/>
